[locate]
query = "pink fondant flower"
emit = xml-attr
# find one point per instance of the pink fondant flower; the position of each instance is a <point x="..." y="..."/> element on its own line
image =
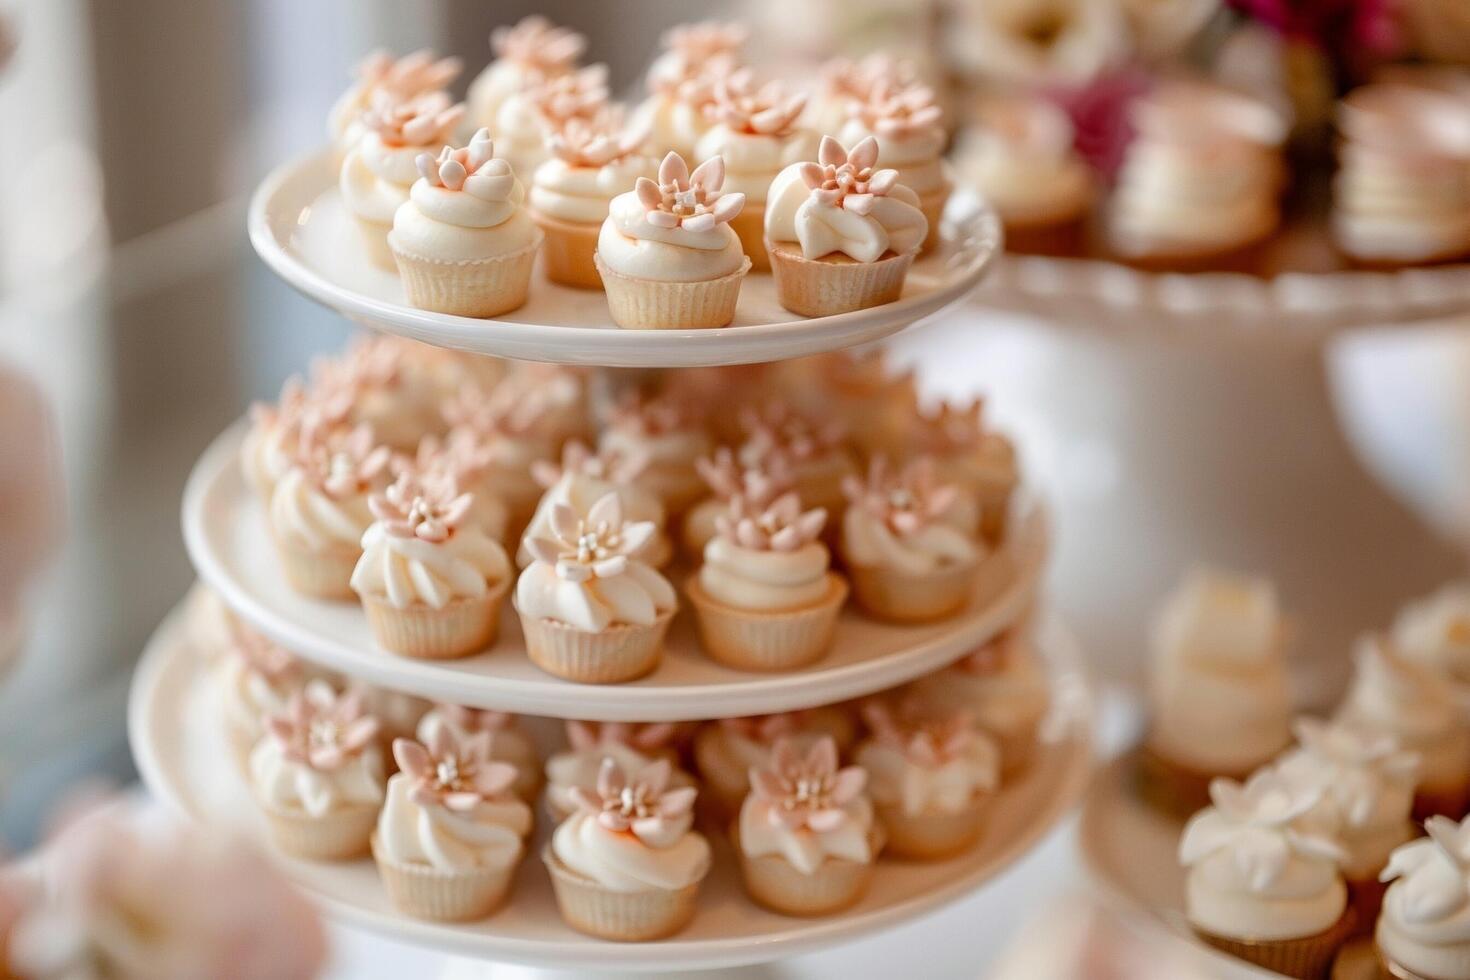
<point x="692" y="201"/>
<point x="596" y="140"/>
<point x="504" y="412"/>
<point x="706" y="39"/>
<point x="598" y="545"/>
<point x="536" y="44"/>
<point x="763" y="110"/>
<point x="476" y="719"/>
<point x="780" y="526"/>
<point x="845" y="179"/>
<point x="779" y="429"/>
<point x="342" y="464"/>
<point x="454" y="773"/>
<point x="412" y="75"/>
<point x="580" y="94"/>
<point x="578" y="457"/>
<point x="648" y="736"/>
<point x="896" y="110"/>
<point x="657" y="416"/>
<point x="261" y="655"/>
<point x="426" y="510"/>
<point x="695" y="57"/>
<point x="908" y="502"/>
<point x="759" y="484"/>
<point x="807" y="791"/>
<point x="424" y="120"/>
<point x="473" y="169"/>
<point x="926" y="740"/>
<point x="856" y="81"/>
<point x="642" y="803"/>
<point x="322" y="729"/>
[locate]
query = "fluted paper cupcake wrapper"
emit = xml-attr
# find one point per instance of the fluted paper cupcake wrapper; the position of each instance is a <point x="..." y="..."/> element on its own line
<point x="774" y="882"/>
<point x="826" y="286"/>
<point x="460" y="628"/>
<point x="929" y="836"/>
<point x="334" y="836"/>
<point x="483" y="288"/>
<point x="1307" y="958"/>
<point x="648" y="304"/>
<point x="623" y="916"/>
<point x="374" y="236"/>
<point x="767" y="641"/>
<point x="933" y="207"/>
<point x="619" y="653"/>
<point x="426" y="892"/>
<point x="320" y="574"/>
<point x="750" y="226"/>
<point x="566" y="255"/>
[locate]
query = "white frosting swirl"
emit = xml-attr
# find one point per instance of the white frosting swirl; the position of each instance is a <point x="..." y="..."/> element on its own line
<point x="247" y="695"/>
<point x="581" y="195"/>
<point x="488" y="836"/>
<point x="762" y="833"/>
<point x="630" y="246"/>
<point x="752" y="160"/>
<point x="623" y="862"/>
<point x="636" y="597"/>
<point x="1425" y="923"/>
<point x="520" y="132"/>
<point x="283" y="783"/>
<point x="793" y="215"/>
<point x="455" y="226"/>
<point x="411" y="571"/>
<point x="952" y="786"/>
<point x="376" y="178"/>
<point x="867" y="540"/>
<point x="764" y="580"/>
<point x="301" y="513"/>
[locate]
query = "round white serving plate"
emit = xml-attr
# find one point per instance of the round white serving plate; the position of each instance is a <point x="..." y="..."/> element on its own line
<point x="300" y="227"/>
<point x="181" y="751"/>
<point x="225" y="532"/>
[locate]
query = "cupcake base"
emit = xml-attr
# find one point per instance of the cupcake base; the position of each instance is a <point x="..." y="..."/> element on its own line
<point x="932" y="836"/>
<point x="479" y="288"/>
<point x="337" y="836"/>
<point x="460" y="628"/>
<point x="1307" y="958"/>
<point x="629" y="917"/>
<point x="933" y="207"/>
<point x="319" y="574"/>
<point x="649" y="304"/>
<point x="834" y="283"/>
<point x="885" y="594"/>
<point x="617" y="654"/>
<point x="763" y="640"/>
<point x="776" y="884"/>
<point x="426" y="892"/>
<point x="566" y="255"/>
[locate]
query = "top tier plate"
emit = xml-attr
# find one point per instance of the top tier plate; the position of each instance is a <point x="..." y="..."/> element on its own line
<point x="301" y="229"/>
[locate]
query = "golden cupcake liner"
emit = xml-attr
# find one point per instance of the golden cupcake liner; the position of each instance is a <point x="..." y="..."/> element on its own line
<point x="750" y="226"/>
<point x="319" y="574"/>
<point x="462" y="627"/>
<point x="933" y="207"/>
<point x="425" y="892"/>
<point x="480" y="288"/>
<point x="837" y="884"/>
<point x="650" y="304"/>
<point x="834" y="283"/>
<point x="566" y="255"/>
<point x="765" y="640"/>
<point x="619" y="653"/>
<point x="931" y="836"/>
<point x="335" y="836"/>
<point x="894" y="596"/>
<point x="1307" y="958"/>
<point x="375" y="239"/>
<point x="622" y="916"/>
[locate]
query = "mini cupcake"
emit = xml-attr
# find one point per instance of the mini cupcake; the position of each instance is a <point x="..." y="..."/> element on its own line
<point x="1004" y="686"/>
<point x="906" y="563"/>
<point x="562" y="392"/>
<point x="1261" y="884"/>
<point x="628" y="863"/>
<point x="670" y="435"/>
<point x="440" y="464"/>
<point x="406" y="78"/>
<point x="274" y="438"/>
<point x="1391" y="697"/>
<point x="583" y="479"/>
<point x="529" y="117"/>
<point x="813" y="448"/>
<point x="906" y="121"/>
<point x="1367" y="791"/>
<point x="508" y="743"/>
<point x="806" y="835"/>
<point x="681" y="84"/>
<point x="766" y="596"/>
<point x="756" y="133"/>
<point x="1219" y="693"/>
<point x="632" y="745"/>
<point x="380" y="169"/>
<point x="319" y="509"/>
<point x="725" y="751"/>
<point x="1020" y="157"/>
<point x="1434" y="632"/>
<point x="318" y="774"/>
<point x="844" y="81"/>
<point x="452" y="830"/>
<point x="591" y="161"/>
<point x="528" y="53"/>
<point x="875" y="400"/>
<point x="977" y="459"/>
<point x="931" y="776"/>
<point x="463" y="243"/>
<point x="591" y="609"/>
<point x="1424" y="931"/>
<point x="503" y="435"/>
<point x="385" y="383"/>
<point x="257" y="679"/>
<point x="841" y="234"/>
<point x="430" y="581"/>
<point x="667" y="254"/>
<point x="758" y="485"/>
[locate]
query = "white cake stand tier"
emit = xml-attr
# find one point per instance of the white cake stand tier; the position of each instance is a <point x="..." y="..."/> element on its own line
<point x="300" y="227"/>
<point x="225" y="532"/>
<point x="181" y="751"/>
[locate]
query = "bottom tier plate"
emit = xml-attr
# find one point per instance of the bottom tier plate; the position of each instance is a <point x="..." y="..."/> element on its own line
<point x="180" y="750"/>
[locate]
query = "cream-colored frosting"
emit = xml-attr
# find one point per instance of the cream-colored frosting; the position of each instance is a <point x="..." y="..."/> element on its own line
<point x="376" y="178"/>
<point x="579" y="767"/>
<point x="624" y="862"/>
<point x="410" y="571"/>
<point x="752" y="160"/>
<point x="248" y="695"/>
<point x="637" y="597"/>
<point x="868" y="540"/>
<point x="1435" y="631"/>
<point x="746" y="578"/>
<point x="763" y="833"/>
<point x="1425" y="923"/>
<point x="520" y="131"/>
<point x="582" y="195"/>
<point x="668" y="457"/>
<point x="629" y="245"/>
<point x="507" y="743"/>
<point x="456" y="226"/>
<point x="490" y="835"/>
<point x="302" y="513"/>
<point x="793" y="215"/>
<point x="1254" y="870"/>
<point x="950" y="785"/>
<point x="1219" y="690"/>
<point x="284" y="783"/>
<point x="579" y="491"/>
<point x="1020" y="158"/>
<point x="918" y="156"/>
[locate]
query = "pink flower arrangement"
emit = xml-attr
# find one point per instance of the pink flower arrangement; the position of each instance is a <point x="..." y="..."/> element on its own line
<point x="596" y="140"/>
<point x="906" y="503"/>
<point x="779" y="429"/>
<point x="503" y="412"/>
<point x="642" y="804"/>
<point x="426" y="510"/>
<point x="597" y="546"/>
<point x="412" y="75"/>
<point x="847" y="180"/>
<point x="952" y="427"/>
<point x="695" y="57"/>
<point x="578" y="457"/>
<point x="764" y="110"/>
<point x="856" y="81"/>
<point x="759" y="485"/>
<point x="456" y="774"/>
<point x="580" y="94"/>
<point x="424" y="120"/>
<point x="779" y="526"/>
<point x="261" y="655"/>
<point x="342" y="464"/>
<point x="647" y="737"/>
<point x="658" y="416"/>
<point x="692" y="201"/>
<point x="706" y="40"/>
<point x="535" y="43"/>
<point x="925" y="740"/>
<point x="322" y="729"/>
<point x="807" y="791"/>
<point x="473" y="169"/>
<point x="896" y="110"/>
<point x="325" y="407"/>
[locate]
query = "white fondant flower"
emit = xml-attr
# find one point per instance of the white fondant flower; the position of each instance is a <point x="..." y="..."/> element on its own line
<point x="1436" y="870"/>
<point x="473" y="169"/>
<point x="1354" y="763"/>
<point x="680" y="199"/>
<point x="598" y="545"/>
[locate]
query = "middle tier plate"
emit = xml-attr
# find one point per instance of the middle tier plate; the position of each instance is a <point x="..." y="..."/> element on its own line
<point x="229" y="544"/>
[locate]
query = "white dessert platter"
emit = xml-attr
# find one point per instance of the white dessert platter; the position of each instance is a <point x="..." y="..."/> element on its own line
<point x="181" y="751"/>
<point x="228" y="541"/>
<point x="299" y="226"/>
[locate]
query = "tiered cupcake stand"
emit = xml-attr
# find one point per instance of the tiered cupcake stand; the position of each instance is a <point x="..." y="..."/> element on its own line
<point x="297" y="225"/>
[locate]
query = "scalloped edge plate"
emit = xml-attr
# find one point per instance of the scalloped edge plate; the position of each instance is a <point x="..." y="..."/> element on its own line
<point x="227" y="540"/>
<point x="181" y="752"/>
<point x="299" y="227"/>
